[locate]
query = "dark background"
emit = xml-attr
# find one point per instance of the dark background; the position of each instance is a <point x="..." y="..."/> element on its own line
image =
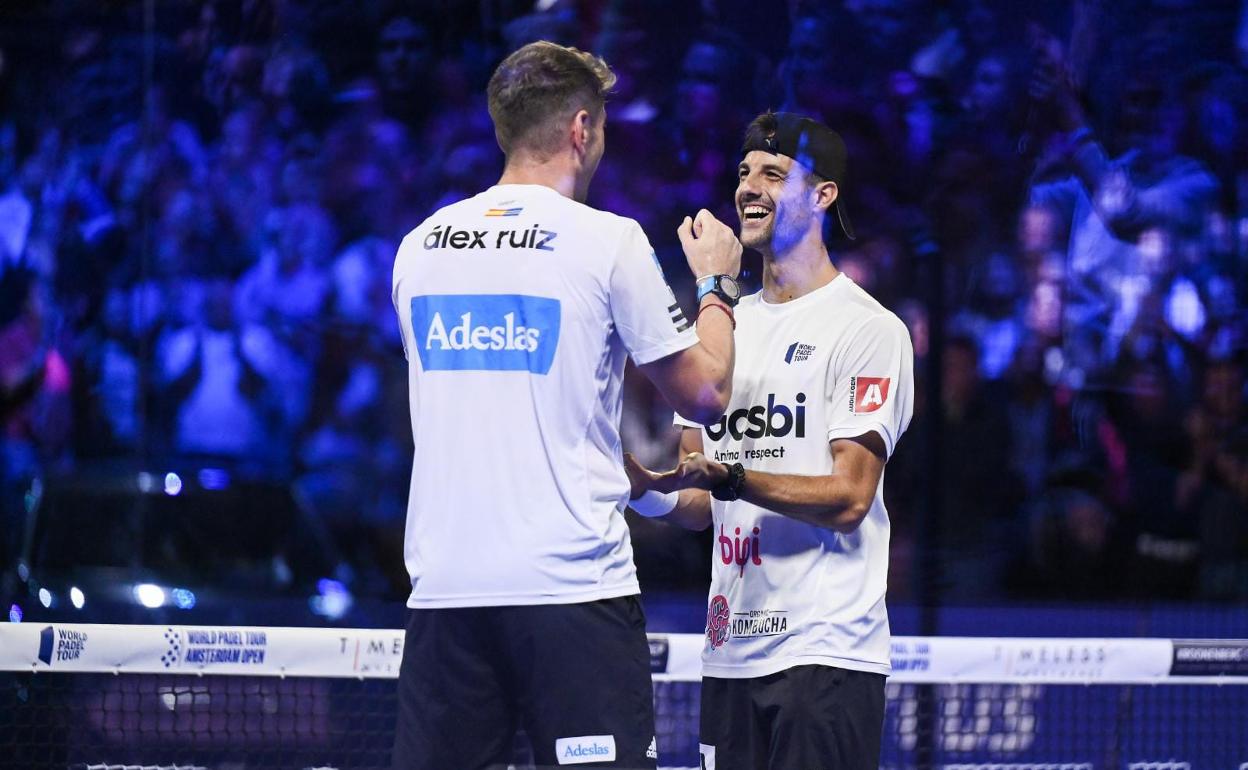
<point x="202" y="385"/>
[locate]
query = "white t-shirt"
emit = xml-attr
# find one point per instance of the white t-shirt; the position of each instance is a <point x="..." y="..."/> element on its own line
<point x="829" y="365"/>
<point x="518" y="309"/>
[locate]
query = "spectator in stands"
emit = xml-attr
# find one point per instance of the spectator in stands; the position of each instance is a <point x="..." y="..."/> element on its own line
<point x="34" y="396"/>
<point x="287" y="288"/>
<point x="405" y="57"/>
<point x="1147" y="192"/>
<point x="1165" y="544"/>
<point x="107" y="381"/>
<point x="244" y="174"/>
<point x="1213" y="487"/>
<point x="223" y="379"/>
<point x="814" y="79"/>
<point x="993" y="315"/>
<point x="978" y="494"/>
<point x="1072" y="551"/>
<point x="713" y="94"/>
<point x="993" y="104"/>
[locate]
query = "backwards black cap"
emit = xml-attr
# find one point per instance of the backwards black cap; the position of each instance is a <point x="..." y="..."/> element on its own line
<point x="810" y="143"/>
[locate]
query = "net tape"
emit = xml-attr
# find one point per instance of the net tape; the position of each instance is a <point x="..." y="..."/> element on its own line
<point x="375" y="654"/>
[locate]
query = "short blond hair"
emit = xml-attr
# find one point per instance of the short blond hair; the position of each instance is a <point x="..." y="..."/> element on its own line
<point x="538" y="88"/>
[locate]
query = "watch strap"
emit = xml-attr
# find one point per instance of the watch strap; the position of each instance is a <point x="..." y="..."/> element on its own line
<point x="711" y="284"/>
<point x="730" y="488"/>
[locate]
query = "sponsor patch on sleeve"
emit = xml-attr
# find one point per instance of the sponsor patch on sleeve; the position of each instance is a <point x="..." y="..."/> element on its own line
<point x="867" y="394"/>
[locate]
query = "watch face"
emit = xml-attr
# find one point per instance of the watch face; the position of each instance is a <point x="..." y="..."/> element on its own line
<point x="730" y="286"/>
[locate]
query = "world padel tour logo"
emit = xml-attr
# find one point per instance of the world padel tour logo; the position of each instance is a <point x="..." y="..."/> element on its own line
<point x="867" y="394"/>
<point x="798" y="352"/>
<point x="61" y="645"/>
<point x="486" y="332"/>
<point x="173" y="650"/>
<point x="206" y="647"/>
<point x="717" y="621"/>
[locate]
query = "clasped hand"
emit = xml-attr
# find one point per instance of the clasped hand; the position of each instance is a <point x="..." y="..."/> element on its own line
<point x="696" y="471"/>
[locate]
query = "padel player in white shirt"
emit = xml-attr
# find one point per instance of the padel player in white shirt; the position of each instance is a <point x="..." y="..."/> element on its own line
<point x="797" y="639"/>
<point x="518" y="308"/>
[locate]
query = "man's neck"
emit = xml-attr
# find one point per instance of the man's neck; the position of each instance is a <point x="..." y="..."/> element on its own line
<point x="555" y="174"/>
<point x="797" y="271"/>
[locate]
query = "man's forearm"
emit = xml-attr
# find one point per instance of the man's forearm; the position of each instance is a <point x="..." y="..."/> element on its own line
<point x="838" y="501"/>
<point x="824" y="501"/>
<point x="697" y="381"/>
<point x="693" y="509"/>
<point x="715" y="337"/>
<point x="812" y="499"/>
<point x="715" y="324"/>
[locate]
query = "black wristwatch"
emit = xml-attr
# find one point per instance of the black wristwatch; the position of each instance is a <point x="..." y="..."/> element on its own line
<point x="723" y="286"/>
<point x="730" y="488"/>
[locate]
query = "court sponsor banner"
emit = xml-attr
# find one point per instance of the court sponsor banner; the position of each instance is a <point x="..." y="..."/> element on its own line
<point x="681" y="657"/>
<point x="988" y="659"/>
<point x="377" y="653"/>
<point x="660" y="648"/>
<point x="1052" y="660"/>
<point x="1210" y="657"/>
<point x="200" y="649"/>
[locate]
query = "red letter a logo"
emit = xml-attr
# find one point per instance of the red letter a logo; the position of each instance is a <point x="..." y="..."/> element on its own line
<point x="870" y="393"/>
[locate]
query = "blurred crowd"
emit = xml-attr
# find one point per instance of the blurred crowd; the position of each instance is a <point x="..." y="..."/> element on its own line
<point x="200" y="203"/>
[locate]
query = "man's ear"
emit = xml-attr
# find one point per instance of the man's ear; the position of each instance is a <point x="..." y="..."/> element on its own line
<point x="580" y="129"/>
<point x="825" y="195"/>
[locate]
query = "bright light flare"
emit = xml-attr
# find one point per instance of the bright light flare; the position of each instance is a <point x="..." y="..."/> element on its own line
<point x="149" y="595"/>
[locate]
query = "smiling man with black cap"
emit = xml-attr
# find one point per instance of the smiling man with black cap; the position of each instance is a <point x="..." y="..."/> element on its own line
<point x="791" y="479"/>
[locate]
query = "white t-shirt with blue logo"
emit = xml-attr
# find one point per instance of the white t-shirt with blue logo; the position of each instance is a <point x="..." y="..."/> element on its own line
<point x="829" y="365"/>
<point x="519" y="308"/>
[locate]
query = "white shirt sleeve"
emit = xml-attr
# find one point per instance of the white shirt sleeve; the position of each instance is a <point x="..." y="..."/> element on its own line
<point x="394" y="294"/>
<point x="870" y="384"/>
<point x="645" y="312"/>
<point x="681" y="422"/>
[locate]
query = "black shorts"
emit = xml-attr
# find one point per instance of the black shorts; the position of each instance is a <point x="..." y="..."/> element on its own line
<point x="576" y="677"/>
<point x="803" y="718"/>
